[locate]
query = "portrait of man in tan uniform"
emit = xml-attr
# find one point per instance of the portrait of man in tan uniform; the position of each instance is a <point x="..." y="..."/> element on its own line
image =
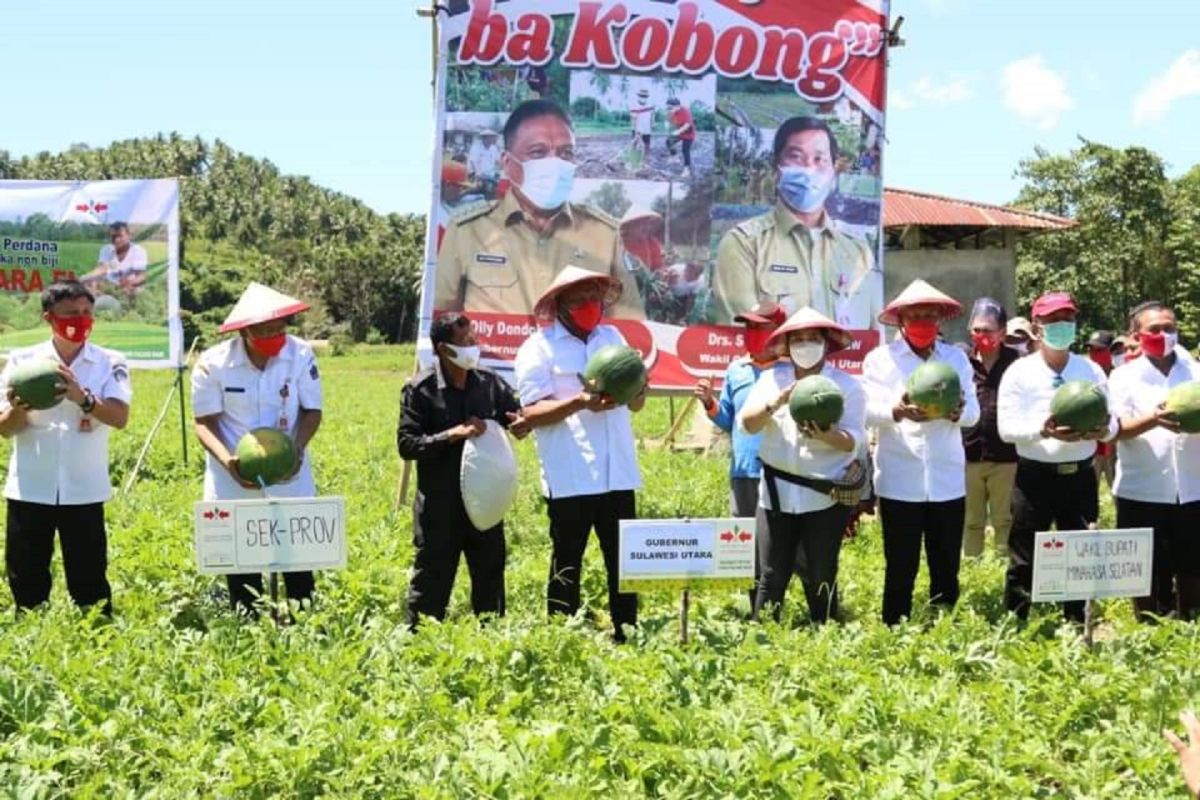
<point x="500" y="256"/>
<point x="796" y="254"/>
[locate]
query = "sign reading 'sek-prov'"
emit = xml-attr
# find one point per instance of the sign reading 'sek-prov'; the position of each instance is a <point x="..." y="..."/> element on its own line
<point x="271" y="534"/>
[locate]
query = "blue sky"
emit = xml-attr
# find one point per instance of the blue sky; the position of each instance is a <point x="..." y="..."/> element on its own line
<point x="340" y="91"/>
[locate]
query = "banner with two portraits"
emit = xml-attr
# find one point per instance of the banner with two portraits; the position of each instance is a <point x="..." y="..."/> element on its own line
<point x="707" y="154"/>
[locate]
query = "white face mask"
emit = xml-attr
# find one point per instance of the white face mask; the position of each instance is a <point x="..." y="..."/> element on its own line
<point x="1172" y="341"/>
<point x="1020" y="347"/>
<point x="547" y="182"/>
<point x="464" y="357"/>
<point x="1118" y="359"/>
<point x="806" y="355"/>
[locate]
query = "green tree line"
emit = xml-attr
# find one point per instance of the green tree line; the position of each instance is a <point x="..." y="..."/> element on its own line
<point x="1137" y="237"/>
<point x="243" y="220"/>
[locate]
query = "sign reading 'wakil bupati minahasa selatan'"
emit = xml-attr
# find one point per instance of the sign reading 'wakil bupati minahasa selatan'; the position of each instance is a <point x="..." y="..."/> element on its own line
<point x="707" y="154"/>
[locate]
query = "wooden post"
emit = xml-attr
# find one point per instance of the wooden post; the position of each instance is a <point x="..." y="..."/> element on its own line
<point x="1088" y="622"/>
<point x="683" y="617"/>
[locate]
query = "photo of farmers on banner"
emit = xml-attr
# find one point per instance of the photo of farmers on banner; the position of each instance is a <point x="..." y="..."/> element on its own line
<point x="708" y="154"/>
<point x="120" y="238"/>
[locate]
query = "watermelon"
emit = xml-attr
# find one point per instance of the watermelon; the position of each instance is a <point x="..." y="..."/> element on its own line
<point x="816" y="399"/>
<point x="37" y="383"/>
<point x="1080" y="406"/>
<point x="265" y="453"/>
<point x="616" y="371"/>
<point x="934" y="388"/>
<point x="1183" y="403"/>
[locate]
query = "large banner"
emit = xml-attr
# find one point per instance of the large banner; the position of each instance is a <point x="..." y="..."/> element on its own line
<point x="121" y="238"/>
<point x="709" y="154"/>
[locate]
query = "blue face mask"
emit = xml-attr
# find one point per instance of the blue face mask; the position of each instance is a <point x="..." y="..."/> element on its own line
<point x="1058" y="335"/>
<point x="803" y="188"/>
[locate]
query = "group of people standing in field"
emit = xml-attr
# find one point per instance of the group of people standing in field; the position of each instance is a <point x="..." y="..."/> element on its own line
<point x="935" y="481"/>
<point x="999" y="455"/>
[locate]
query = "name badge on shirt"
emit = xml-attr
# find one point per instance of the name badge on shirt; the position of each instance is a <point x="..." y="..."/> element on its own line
<point x="787" y="269"/>
<point x="235" y="389"/>
<point x="85" y="424"/>
<point x="490" y="258"/>
<point x="283" y="394"/>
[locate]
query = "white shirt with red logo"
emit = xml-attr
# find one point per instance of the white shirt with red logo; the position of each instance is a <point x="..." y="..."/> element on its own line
<point x="62" y="457"/>
<point x="225" y="382"/>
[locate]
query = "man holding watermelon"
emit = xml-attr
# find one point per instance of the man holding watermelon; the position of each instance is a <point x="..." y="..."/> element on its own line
<point x="260" y="378"/>
<point x="58" y="402"/>
<point x="1158" y="459"/>
<point x="1052" y="405"/>
<point x="578" y="383"/>
<point x="919" y="400"/>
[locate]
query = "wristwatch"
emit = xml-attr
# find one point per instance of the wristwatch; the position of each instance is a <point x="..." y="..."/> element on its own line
<point x="89" y="401"/>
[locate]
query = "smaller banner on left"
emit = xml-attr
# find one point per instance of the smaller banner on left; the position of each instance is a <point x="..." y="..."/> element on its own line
<point x="271" y="535"/>
<point x="120" y="238"/>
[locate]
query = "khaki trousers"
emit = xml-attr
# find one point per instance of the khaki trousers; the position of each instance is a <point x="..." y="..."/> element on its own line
<point x="989" y="493"/>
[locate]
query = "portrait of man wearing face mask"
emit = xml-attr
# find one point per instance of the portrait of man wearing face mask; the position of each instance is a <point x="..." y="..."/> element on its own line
<point x="500" y="256"/>
<point x="796" y="251"/>
<point x="442" y="407"/>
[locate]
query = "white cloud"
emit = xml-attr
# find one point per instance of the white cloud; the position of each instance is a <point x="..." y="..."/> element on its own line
<point x="1182" y="79"/>
<point x="927" y="91"/>
<point x="1034" y="92"/>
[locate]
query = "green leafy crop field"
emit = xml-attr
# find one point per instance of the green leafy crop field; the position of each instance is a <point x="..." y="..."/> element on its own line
<point x="175" y="698"/>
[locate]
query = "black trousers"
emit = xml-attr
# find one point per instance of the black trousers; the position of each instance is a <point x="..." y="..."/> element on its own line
<point x="904" y="526"/>
<point x="1175" y="581"/>
<point x="687" y="148"/>
<point x="246" y="590"/>
<point x="784" y="540"/>
<point x="29" y="547"/>
<point x="1045" y="495"/>
<point x="571" y="522"/>
<point x="442" y="535"/>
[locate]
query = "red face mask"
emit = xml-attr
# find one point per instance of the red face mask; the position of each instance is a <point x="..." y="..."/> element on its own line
<point x="1101" y="357"/>
<point x="921" y="333"/>
<point x="1153" y="344"/>
<point x="73" y="329"/>
<point x="985" y="343"/>
<point x="586" y="316"/>
<point x="756" y="340"/>
<point x="269" y="346"/>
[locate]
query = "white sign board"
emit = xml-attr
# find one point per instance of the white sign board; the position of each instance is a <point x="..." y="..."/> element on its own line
<point x="271" y="535"/>
<point x="685" y="554"/>
<point x="1085" y="565"/>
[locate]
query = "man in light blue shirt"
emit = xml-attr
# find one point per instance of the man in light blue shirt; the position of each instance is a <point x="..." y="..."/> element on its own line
<point x="740" y="377"/>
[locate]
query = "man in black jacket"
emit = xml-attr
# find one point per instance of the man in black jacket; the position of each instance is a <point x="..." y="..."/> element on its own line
<point x="442" y="408"/>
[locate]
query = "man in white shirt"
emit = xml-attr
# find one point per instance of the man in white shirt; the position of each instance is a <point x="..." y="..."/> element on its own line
<point x="1056" y="482"/>
<point x="920" y="464"/>
<point x="800" y="518"/>
<point x="584" y="441"/>
<point x="121" y="262"/>
<point x="483" y="159"/>
<point x="58" y="472"/>
<point x="1158" y="467"/>
<point x="261" y="378"/>
<point x="641" y="117"/>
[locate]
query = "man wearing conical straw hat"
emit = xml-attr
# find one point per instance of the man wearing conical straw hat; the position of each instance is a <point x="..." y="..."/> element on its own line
<point x="920" y="463"/>
<point x="262" y="377"/>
